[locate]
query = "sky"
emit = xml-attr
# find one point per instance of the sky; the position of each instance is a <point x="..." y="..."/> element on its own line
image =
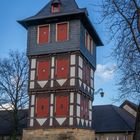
<point x="13" y="36"/>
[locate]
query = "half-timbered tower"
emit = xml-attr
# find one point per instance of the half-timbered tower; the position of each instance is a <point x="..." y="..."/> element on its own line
<point x="62" y="53"/>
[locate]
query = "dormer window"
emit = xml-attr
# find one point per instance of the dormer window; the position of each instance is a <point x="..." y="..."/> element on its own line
<point x="56" y="6"/>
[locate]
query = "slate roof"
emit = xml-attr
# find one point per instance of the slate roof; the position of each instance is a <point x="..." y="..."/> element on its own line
<point x="6" y="125"/>
<point x="68" y="10"/>
<point x="67" y="7"/>
<point x="112" y="119"/>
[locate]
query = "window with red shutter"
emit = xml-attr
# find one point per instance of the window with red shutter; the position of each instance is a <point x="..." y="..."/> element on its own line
<point x="89" y="42"/>
<point x="42" y="107"/>
<point x="88" y="75"/>
<point x="86" y="40"/>
<point x="62" y="68"/>
<point x="62" y="32"/>
<point x="43" y="34"/>
<point x="55" y="8"/>
<point x="43" y="70"/>
<point x="82" y="114"/>
<point x="86" y="108"/>
<point x="62" y="105"/>
<point x="84" y="72"/>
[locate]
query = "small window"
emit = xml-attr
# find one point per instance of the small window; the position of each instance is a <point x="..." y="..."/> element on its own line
<point x="42" y="107"/>
<point x="62" y="105"/>
<point x="89" y="42"/>
<point x="82" y="110"/>
<point x="84" y="72"/>
<point x="88" y="76"/>
<point x="84" y="107"/>
<point x="62" y="68"/>
<point x="43" y="34"/>
<point x="62" y="32"/>
<point x="43" y="70"/>
<point x="121" y="138"/>
<point x="55" y="8"/>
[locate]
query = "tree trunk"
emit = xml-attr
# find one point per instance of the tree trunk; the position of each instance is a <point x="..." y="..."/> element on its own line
<point x="137" y="132"/>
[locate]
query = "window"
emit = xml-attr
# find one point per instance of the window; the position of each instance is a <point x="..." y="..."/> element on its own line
<point x="97" y="138"/>
<point x="62" y="31"/>
<point x="84" y="107"/>
<point x="89" y="42"/>
<point x="82" y="114"/>
<point x="91" y="45"/>
<point x="43" y="34"/>
<point x="62" y="68"/>
<point x="43" y="70"/>
<point x="42" y="107"/>
<point x="86" y="74"/>
<point x="115" y="138"/>
<point x="121" y="138"/>
<point x="62" y="105"/>
<point x="55" y="8"/>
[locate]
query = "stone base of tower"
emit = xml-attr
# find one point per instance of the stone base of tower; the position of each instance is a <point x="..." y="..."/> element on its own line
<point x="59" y="134"/>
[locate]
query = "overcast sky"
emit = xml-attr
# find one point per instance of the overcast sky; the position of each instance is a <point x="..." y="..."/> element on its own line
<point x="13" y="36"/>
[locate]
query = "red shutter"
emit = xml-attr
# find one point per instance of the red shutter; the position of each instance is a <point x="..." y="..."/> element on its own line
<point x="91" y="45"/>
<point x="62" y="32"/>
<point x="42" y="107"/>
<point x="62" y="105"/>
<point x="62" y="68"/>
<point x="86" y="42"/>
<point x="43" y="70"/>
<point x="43" y="36"/>
<point x="86" y="108"/>
<point x="88" y="75"/>
<point x="84" y="72"/>
<point x="82" y="107"/>
<point x="55" y="8"/>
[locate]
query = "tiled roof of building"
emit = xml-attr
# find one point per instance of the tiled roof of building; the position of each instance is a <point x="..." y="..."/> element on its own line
<point x="109" y="118"/>
<point x="6" y="125"/>
<point x="67" y="7"/>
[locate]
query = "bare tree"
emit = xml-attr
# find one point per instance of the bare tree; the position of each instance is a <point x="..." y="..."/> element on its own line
<point x="122" y="18"/>
<point x="123" y="22"/>
<point x="13" y="87"/>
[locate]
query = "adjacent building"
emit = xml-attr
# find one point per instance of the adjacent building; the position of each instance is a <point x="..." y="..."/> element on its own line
<point x="115" y="123"/>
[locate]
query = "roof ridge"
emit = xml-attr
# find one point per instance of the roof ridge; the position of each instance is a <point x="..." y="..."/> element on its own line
<point x="102" y="105"/>
<point x="113" y="106"/>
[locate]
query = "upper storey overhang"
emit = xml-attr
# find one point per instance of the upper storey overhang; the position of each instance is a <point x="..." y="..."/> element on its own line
<point x="67" y="12"/>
